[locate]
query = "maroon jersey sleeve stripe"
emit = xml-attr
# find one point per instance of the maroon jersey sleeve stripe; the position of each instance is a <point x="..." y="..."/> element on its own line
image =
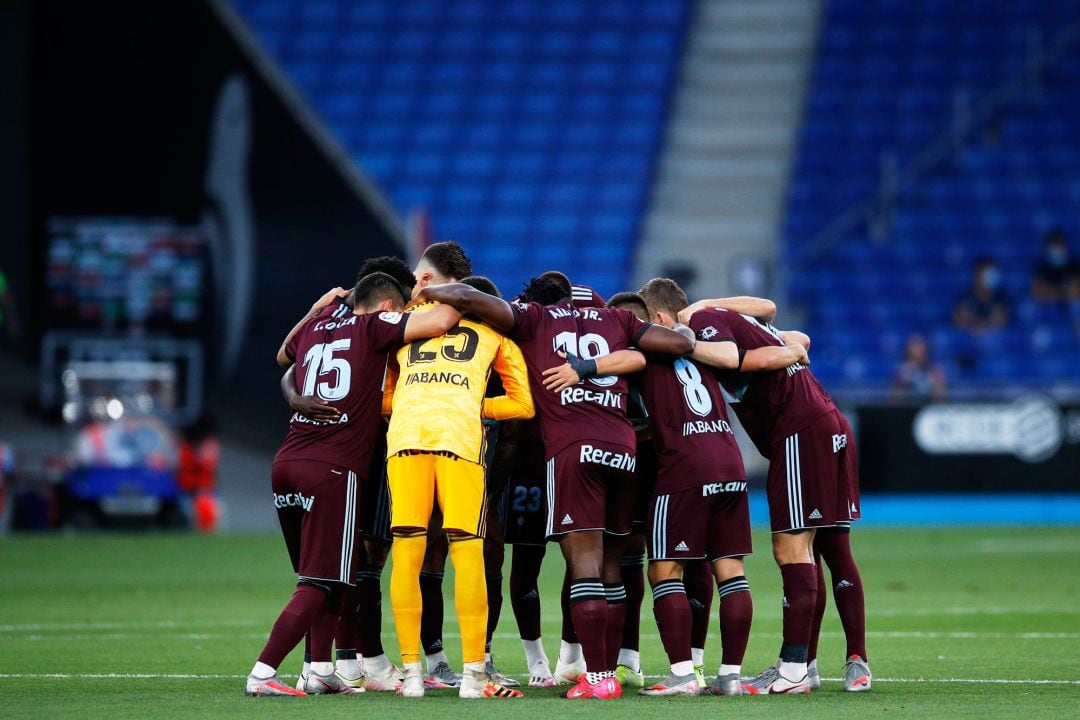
<point x="644" y="329"/>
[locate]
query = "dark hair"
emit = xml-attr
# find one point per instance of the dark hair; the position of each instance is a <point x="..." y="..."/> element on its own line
<point x="372" y="289"/>
<point x="449" y="259"/>
<point x="630" y="300"/>
<point x="663" y="295"/>
<point x="1055" y="234"/>
<point x="393" y="266"/>
<point x="482" y="284"/>
<point x="559" y="279"/>
<point x="544" y="292"/>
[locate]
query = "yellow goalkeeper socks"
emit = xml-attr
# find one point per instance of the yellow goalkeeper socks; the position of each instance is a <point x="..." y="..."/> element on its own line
<point x="470" y="596"/>
<point x="408" y="556"/>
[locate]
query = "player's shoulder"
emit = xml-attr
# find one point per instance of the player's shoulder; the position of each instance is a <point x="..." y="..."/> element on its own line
<point x="390" y="317"/>
<point x="523" y="306"/>
<point x="421" y="304"/>
<point x="585" y="296"/>
<point x="711" y="323"/>
<point x="479" y="326"/>
<point x="336" y="315"/>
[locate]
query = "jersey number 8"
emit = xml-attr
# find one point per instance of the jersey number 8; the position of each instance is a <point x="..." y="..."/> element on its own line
<point x="697" y="397"/>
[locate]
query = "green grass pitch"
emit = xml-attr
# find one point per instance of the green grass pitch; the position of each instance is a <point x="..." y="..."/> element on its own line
<point x="974" y="622"/>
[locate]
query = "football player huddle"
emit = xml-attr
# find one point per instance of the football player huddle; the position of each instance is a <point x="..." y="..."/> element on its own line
<point x="433" y="419"/>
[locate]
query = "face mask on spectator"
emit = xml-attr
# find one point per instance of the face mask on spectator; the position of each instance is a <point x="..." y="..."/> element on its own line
<point x="1057" y="256"/>
<point x="991" y="278"/>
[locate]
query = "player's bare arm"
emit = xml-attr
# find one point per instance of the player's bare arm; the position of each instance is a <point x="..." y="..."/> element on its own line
<point x="496" y="312"/>
<point x="310" y="406"/>
<point x="795" y="337"/>
<point x="429" y="324"/>
<point x="659" y="339"/>
<point x="726" y="355"/>
<point x="620" y="362"/>
<point x="328" y="297"/>
<point x="759" y="308"/>
<point x="774" y="358"/>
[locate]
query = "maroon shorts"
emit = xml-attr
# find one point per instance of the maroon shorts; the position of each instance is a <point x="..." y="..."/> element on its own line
<point x="851" y="472"/>
<point x="710" y="521"/>
<point x="590" y="487"/>
<point x="316" y="505"/>
<point x="811" y="476"/>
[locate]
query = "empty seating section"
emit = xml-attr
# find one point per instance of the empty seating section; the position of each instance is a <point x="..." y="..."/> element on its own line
<point x="528" y="128"/>
<point x="886" y="78"/>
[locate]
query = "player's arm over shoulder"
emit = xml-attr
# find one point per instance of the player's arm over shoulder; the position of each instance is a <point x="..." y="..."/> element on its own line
<point x="430" y="323"/>
<point x="652" y="338"/>
<point x="720" y="348"/>
<point x="496" y="312"/>
<point x="284" y="353"/>
<point x="762" y="309"/>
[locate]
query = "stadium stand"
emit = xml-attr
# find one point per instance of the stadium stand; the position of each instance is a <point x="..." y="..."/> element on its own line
<point x="529" y="129"/>
<point x="889" y="78"/>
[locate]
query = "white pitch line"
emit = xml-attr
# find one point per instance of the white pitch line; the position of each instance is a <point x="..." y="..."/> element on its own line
<point x="196" y="636"/>
<point x="148" y="625"/>
<point x="974" y="610"/>
<point x="185" y="676"/>
<point x="961" y="635"/>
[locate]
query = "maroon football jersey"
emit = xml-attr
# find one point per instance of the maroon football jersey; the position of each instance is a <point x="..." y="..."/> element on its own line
<point x="341" y="358"/>
<point x="591" y="410"/>
<point x="690" y="425"/>
<point x="770" y="405"/>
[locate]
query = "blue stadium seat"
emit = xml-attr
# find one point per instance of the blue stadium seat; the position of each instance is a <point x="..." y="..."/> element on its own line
<point x="885" y="79"/>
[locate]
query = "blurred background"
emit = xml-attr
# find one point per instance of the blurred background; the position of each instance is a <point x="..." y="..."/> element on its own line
<point x="182" y="179"/>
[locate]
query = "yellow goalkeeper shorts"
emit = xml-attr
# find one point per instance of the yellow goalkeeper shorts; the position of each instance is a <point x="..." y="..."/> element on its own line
<point x="417" y="479"/>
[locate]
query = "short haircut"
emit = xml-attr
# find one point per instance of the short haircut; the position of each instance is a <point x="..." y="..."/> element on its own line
<point x="393" y="266"/>
<point x="372" y="289"/>
<point x="482" y="284"/>
<point x="663" y="295"/>
<point x="630" y="300"/>
<point x="544" y="292"/>
<point x="559" y="279"/>
<point x="449" y="260"/>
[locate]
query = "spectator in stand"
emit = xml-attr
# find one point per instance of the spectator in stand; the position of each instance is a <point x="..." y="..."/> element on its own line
<point x="919" y="377"/>
<point x="984" y="307"/>
<point x="1055" y="279"/>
